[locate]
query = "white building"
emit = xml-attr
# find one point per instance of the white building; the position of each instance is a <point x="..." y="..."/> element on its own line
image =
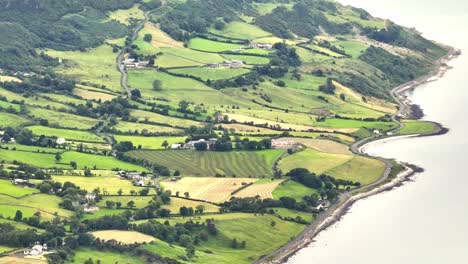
<point x="61" y="141"/>
<point x="176" y="146"/>
<point x="36" y="250"/>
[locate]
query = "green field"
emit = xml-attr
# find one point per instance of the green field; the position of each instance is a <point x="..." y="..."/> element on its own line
<point x="64" y="120"/>
<point x="47" y="160"/>
<point x="101" y="162"/>
<point x="109" y="184"/>
<point x="104" y="257"/>
<point x="251" y="60"/>
<point x="212" y="73"/>
<point x="47" y="205"/>
<point x="11" y="120"/>
<point x="212" y="46"/>
<point x="346" y="167"/>
<point x="131" y="128"/>
<point x="150" y="142"/>
<point x="353" y="48"/>
<point x="95" y="66"/>
<point x="8" y="188"/>
<point x="241" y="30"/>
<point x="194" y="55"/>
<point x="19" y="225"/>
<point x="284" y="212"/>
<point x="261" y="238"/>
<point x="176" y="89"/>
<point x="66" y="133"/>
<point x="145" y="116"/>
<point x="313" y="160"/>
<point x="36" y="159"/>
<point x="417" y="128"/>
<point x="292" y="189"/>
<point x="210" y="163"/>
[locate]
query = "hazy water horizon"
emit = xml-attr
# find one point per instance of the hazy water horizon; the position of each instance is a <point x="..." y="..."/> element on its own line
<point x="423" y="221"/>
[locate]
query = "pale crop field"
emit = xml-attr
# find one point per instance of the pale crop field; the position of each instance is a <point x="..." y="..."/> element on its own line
<point x="93" y="95"/>
<point x="125" y="237"/>
<point x="124" y="16"/>
<point x="208" y="189"/>
<point x="264" y="190"/>
<point x="321" y="145"/>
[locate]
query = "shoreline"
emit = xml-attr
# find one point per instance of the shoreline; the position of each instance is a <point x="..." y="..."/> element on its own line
<point x="346" y="200"/>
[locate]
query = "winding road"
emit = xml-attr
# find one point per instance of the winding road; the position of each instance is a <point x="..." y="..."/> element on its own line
<point x="120" y="58"/>
<point x="346" y="199"/>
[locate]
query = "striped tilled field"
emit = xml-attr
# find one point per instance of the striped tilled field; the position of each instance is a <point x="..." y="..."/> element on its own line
<point x="264" y="190"/>
<point x="208" y="189"/>
<point x="210" y="163"/>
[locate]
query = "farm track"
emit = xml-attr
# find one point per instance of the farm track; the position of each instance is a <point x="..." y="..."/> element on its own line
<point x="336" y="211"/>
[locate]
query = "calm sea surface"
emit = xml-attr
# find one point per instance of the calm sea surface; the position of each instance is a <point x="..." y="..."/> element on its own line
<point x="425" y="221"/>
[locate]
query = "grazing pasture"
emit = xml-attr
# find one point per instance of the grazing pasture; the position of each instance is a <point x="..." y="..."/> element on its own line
<point x="313" y="160"/>
<point x="66" y="133"/>
<point x="208" y="189"/>
<point x="150" y="142"/>
<point x="211" y="163"/>
<point x="110" y="185"/>
<point x="47" y="205"/>
<point x="8" y="188"/>
<point x="140" y="128"/>
<point x="417" y="128"/>
<point x="242" y="30"/>
<point x="96" y="66"/>
<point x="212" y="73"/>
<point x="145" y="116"/>
<point x="104" y="257"/>
<point x="292" y="189"/>
<point x="126" y="16"/>
<point x="11" y="120"/>
<point x="321" y="145"/>
<point x="64" y="120"/>
<point x="212" y="46"/>
<point x="98" y="161"/>
<point x="159" y="40"/>
<point x="125" y="237"/>
<point x="93" y="95"/>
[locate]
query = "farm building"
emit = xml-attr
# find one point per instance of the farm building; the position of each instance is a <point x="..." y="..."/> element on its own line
<point x="191" y="144"/>
<point x="36" y="250"/>
<point x="24" y="183"/>
<point x="266" y="46"/>
<point x="176" y="146"/>
<point x="233" y="64"/>
<point x="213" y="65"/>
<point x="132" y="64"/>
<point x="61" y="141"/>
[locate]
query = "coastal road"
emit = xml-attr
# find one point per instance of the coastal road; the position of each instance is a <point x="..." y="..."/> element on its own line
<point x="345" y="200"/>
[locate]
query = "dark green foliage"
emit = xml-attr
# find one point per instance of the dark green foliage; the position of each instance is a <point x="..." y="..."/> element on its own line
<point x="305" y="20"/>
<point x="196" y="16"/>
<point x="399" y="36"/>
<point x="397" y="69"/>
<point x="66" y="24"/>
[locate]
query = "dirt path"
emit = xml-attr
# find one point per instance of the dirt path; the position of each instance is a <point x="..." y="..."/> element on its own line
<point x="336" y="211"/>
